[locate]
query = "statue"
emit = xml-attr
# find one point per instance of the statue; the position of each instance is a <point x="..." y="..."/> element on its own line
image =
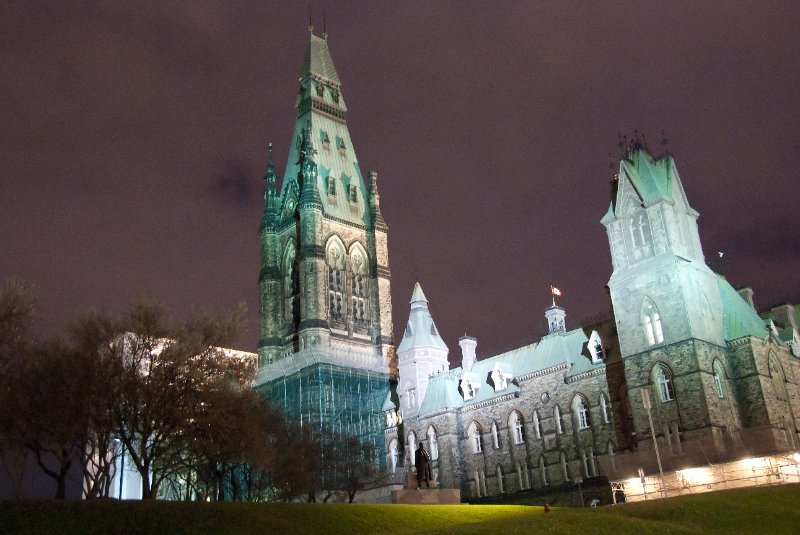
<point x="422" y="462"/>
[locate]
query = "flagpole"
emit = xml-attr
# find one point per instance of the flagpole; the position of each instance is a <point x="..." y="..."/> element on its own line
<point x="553" y="295"/>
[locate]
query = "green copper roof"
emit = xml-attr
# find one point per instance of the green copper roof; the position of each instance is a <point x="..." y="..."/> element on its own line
<point x="318" y="60"/>
<point x="652" y="178"/>
<point x="442" y="393"/>
<point x="420" y="330"/>
<point x="739" y="317"/>
<point x="321" y="119"/>
<point x="552" y="350"/>
<point x="418" y="296"/>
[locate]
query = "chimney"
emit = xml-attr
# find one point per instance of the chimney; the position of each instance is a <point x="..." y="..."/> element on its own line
<point x="468" y="345"/>
<point x="747" y="295"/>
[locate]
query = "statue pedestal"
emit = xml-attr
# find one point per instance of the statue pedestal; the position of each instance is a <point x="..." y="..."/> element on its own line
<point x="425" y="495"/>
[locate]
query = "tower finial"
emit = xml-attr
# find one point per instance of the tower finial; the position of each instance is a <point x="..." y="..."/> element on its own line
<point x="324" y="26"/>
<point x="310" y="19"/>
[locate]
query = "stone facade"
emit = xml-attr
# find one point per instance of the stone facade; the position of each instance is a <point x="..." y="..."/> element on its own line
<point x="326" y="313"/>
<point x="722" y="381"/>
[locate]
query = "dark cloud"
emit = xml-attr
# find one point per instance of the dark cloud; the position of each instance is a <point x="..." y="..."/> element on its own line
<point x="135" y="135"/>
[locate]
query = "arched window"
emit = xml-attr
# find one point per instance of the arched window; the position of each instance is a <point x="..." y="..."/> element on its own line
<point x="433" y="444"/>
<point x="537" y="424"/>
<point x="495" y="436"/>
<point x="719" y="378"/>
<point x="663" y="381"/>
<point x="335" y="259"/>
<point x="564" y="469"/>
<point x="605" y="407"/>
<point x="581" y="408"/>
<point x="592" y="462"/>
<point x="358" y="283"/>
<point x="474" y="436"/>
<point x="290" y="285"/>
<point x="412" y="445"/>
<point x="543" y="469"/>
<point x="640" y="230"/>
<point x="499" y="474"/>
<point x="515" y="424"/>
<point x="394" y="454"/>
<point x="778" y="378"/>
<point x="652" y="323"/>
<point x="557" y="417"/>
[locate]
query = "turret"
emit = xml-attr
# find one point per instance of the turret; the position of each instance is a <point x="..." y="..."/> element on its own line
<point x="421" y="354"/>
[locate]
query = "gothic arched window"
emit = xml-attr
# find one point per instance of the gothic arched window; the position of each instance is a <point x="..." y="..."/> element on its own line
<point x="537" y="424"/>
<point x="652" y="323"/>
<point x="474" y="436"/>
<point x="290" y="284"/>
<point x="358" y="284"/>
<point x="719" y="378"/>
<point x="335" y="259"/>
<point x="495" y="436"/>
<point x="581" y="408"/>
<point x="543" y="469"/>
<point x="515" y="424"/>
<point x="641" y="239"/>
<point x="433" y="444"/>
<point x="557" y="418"/>
<point x="394" y="453"/>
<point x="663" y="380"/>
<point x="412" y="444"/>
<point x="605" y="407"/>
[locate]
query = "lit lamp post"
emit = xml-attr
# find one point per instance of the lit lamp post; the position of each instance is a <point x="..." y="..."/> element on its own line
<point x="646" y="403"/>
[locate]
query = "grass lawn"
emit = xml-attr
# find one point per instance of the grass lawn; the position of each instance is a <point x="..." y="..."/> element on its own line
<point x="772" y="510"/>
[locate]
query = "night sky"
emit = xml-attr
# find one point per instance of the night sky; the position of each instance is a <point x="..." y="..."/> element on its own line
<point x="134" y="140"/>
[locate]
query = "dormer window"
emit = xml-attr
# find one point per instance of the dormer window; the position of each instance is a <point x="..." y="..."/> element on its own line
<point x="353" y="194"/>
<point x="326" y="140"/>
<point x="595" y="347"/>
<point x="320" y="90"/>
<point x="500" y="378"/>
<point x="335" y="95"/>
<point x="468" y="389"/>
<point x="331" y="186"/>
<point x="340" y="145"/>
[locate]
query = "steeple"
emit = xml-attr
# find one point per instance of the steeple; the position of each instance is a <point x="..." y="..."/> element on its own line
<point x="322" y="139"/>
<point x="270" y="192"/>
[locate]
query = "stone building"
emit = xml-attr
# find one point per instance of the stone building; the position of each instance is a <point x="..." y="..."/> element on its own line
<point x="722" y="380"/>
<point x="326" y="312"/>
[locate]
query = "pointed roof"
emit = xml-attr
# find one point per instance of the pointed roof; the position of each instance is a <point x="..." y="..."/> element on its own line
<point x="321" y="133"/>
<point x="418" y="296"/>
<point x="420" y="331"/>
<point x="318" y="61"/>
<point x="652" y="178"/>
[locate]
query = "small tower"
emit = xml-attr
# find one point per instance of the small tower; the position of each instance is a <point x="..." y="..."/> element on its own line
<point x="555" y="319"/>
<point x="422" y="353"/>
<point x="468" y="345"/>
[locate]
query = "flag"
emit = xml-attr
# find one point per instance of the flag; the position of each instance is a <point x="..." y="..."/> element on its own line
<point x="555" y="290"/>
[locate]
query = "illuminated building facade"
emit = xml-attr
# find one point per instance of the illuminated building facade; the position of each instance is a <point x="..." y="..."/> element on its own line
<point x="326" y="313"/>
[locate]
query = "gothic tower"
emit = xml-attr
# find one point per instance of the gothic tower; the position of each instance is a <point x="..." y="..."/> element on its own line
<point x="667" y="303"/>
<point x="325" y="307"/>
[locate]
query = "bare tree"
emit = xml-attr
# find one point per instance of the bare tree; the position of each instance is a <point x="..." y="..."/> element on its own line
<point x="95" y="338"/>
<point x="165" y="368"/>
<point x="17" y="310"/>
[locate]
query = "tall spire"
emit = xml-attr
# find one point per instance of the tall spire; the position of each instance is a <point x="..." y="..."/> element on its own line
<point x="270" y="192"/>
